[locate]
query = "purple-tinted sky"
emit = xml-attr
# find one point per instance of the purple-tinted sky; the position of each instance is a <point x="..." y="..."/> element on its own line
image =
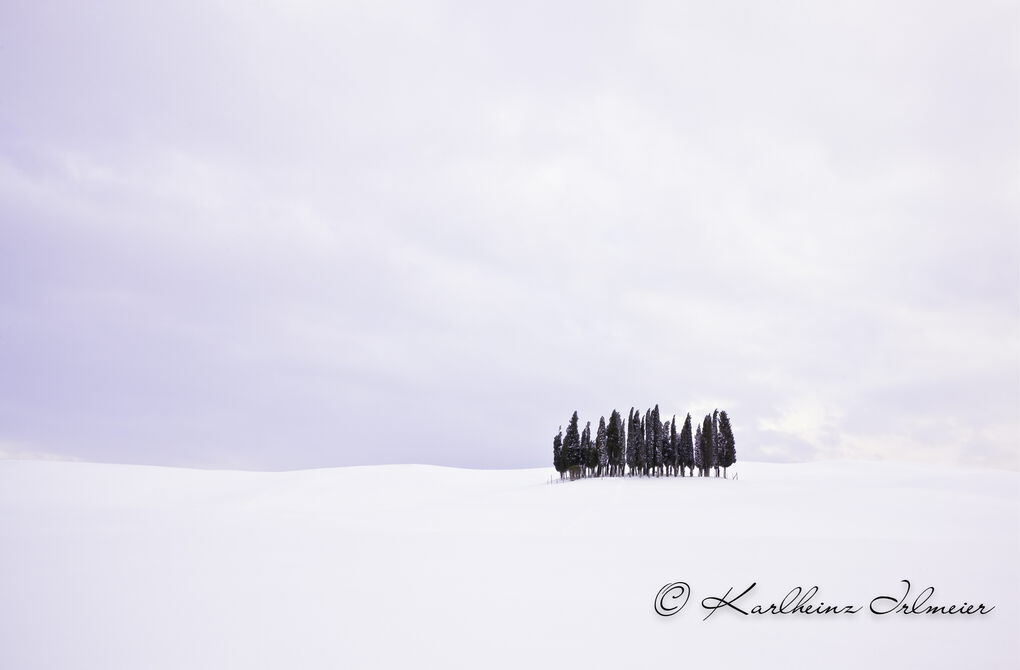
<point x="292" y="234"/>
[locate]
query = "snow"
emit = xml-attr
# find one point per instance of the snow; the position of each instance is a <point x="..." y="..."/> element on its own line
<point x="117" y="566"/>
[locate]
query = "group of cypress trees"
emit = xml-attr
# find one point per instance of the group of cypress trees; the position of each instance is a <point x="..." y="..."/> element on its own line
<point x="645" y="446"/>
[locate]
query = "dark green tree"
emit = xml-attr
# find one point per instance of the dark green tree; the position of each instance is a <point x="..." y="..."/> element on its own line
<point x="717" y="442"/>
<point x="558" y="461"/>
<point x="601" y="449"/>
<point x="572" y="448"/>
<point x="589" y="458"/>
<point x="699" y="452"/>
<point x="663" y="446"/>
<point x="670" y="452"/>
<point x="729" y="450"/>
<point x="708" y="444"/>
<point x="686" y="447"/>
<point x="655" y="437"/>
<point x="644" y="441"/>
<point x="632" y="444"/>
<point x="614" y="444"/>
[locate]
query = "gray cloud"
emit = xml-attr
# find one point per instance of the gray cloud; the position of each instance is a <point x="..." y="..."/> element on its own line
<point x="312" y="234"/>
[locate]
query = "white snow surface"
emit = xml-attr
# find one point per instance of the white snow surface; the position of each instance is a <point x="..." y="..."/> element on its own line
<point x="118" y="566"/>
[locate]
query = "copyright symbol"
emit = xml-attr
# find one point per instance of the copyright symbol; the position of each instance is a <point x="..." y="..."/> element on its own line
<point x="666" y="600"/>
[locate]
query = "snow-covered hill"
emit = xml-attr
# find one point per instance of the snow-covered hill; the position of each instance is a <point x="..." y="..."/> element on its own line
<point x="113" y="566"/>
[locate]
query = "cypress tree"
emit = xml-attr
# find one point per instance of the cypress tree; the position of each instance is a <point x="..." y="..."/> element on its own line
<point x="708" y="444"/>
<point x="664" y="447"/>
<point x="572" y="448"/>
<point x="651" y="423"/>
<point x="699" y="452"/>
<point x="601" y="449"/>
<point x="646" y="442"/>
<point x="588" y="456"/>
<point x="647" y="435"/>
<point x="717" y="442"/>
<point x="639" y="442"/>
<point x="686" y="447"/>
<point x="621" y="460"/>
<point x="612" y="442"/>
<point x="558" y="453"/>
<point x="642" y="443"/>
<point x="669" y="452"/>
<point x="657" y="441"/>
<point x="654" y="448"/>
<point x="729" y="453"/>
<point x="621" y="446"/>
<point x="651" y="435"/>
<point x="632" y="447"/>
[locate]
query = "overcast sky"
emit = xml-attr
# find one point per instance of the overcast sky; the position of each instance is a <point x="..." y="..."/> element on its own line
<point x="291" y="234"/>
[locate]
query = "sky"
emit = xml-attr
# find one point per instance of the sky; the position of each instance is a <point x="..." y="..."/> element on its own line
<point x="300" y="234"/>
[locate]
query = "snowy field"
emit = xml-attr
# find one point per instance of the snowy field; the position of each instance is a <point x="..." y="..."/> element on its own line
<point x="112" y="566"/>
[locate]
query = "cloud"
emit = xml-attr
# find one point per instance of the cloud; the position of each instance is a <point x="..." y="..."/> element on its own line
<point x="309" y="234"/>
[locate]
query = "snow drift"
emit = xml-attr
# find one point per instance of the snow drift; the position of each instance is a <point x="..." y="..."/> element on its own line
<point x="113" y="566"/>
